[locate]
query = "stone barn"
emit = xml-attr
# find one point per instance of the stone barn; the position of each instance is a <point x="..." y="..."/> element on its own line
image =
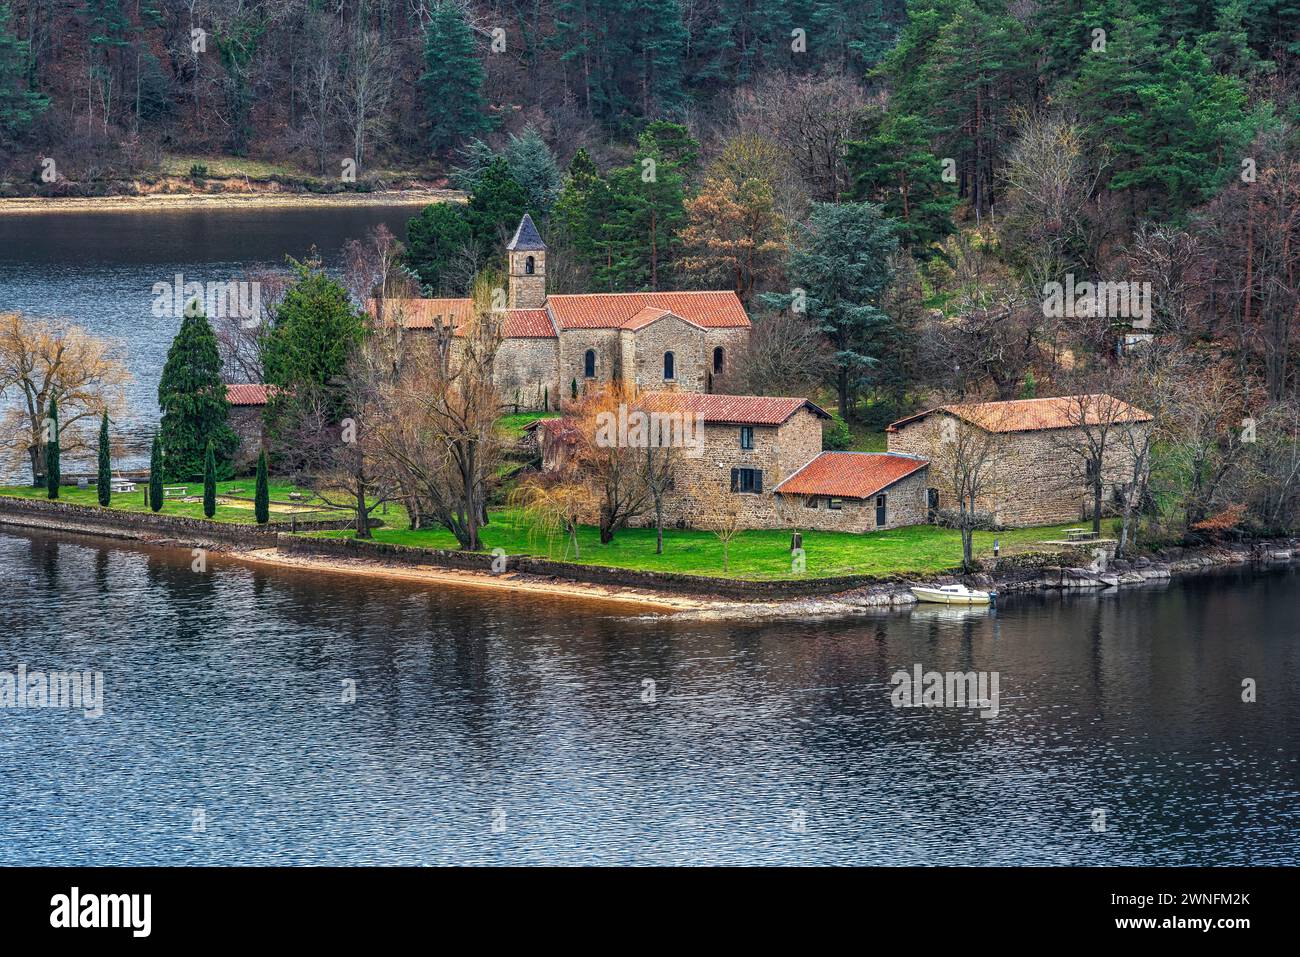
<point x="1037" y="473"/>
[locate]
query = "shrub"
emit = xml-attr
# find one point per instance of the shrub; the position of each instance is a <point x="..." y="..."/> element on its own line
<point x="836" y="435"/>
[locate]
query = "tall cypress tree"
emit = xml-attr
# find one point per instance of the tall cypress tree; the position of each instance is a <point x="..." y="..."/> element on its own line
<point x="192" y="397"/>
<point x="104" y="483"/>
<point x="209" y="482"/>
<point x="262" y="497"/>
<point x="52" y="471"/>
<point x="156" y="475"/>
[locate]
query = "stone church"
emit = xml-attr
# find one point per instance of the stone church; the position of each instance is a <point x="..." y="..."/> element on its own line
<point x="554" y="345"/>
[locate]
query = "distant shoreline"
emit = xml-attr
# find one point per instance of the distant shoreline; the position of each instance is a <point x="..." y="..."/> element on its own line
<point x="250" y="200"/>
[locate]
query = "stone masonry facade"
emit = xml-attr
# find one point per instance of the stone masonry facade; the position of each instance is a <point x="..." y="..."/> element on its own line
<point x="554" y="344"/>
<point x="1037" y="476"/>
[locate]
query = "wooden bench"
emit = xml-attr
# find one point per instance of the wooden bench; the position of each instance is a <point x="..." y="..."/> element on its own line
<point x="175" y="491"/>
<point x="1080" y="535"/>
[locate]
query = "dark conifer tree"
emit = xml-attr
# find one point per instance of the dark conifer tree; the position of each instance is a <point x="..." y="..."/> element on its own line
<point x="210" y="482"/>
<point x="262" y="497"/>
<point x="104" y="481"/>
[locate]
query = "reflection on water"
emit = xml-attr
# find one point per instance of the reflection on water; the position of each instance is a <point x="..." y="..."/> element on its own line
<point x="99" y="269"/>
<point x="224" y="697"/>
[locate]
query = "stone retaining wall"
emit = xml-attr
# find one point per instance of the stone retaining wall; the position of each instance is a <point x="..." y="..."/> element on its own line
<point x="702" y="585"/>
<point x="43" y="513"/>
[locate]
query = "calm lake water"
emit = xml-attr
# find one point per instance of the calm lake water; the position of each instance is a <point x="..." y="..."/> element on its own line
<point x="99" y="269"/>
<point x="767" y="742"/>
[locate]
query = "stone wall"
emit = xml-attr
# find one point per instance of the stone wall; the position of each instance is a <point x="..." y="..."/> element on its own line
<point x="527" y="290"/>
<point x="1037" y="478"/>
<point x="525" y="371"/>
<point x="648" y="345"/>
<point x="701" y="585"/>
<point x="905" y="504"/>
<point x="778" y="453"/>
<point x="733" y="342"/>
<point x="573" y="346"/>
<point x="246" y="420"/>
<point x="91" y="519"/>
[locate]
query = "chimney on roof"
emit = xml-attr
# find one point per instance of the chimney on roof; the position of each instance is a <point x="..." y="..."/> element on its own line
<point x="527" y="271"/>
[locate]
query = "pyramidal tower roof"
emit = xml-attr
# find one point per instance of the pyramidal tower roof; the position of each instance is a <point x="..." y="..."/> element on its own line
<point x="526" y="236"/>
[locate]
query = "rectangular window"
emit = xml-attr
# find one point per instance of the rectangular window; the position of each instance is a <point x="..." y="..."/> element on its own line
<point x="835" y="503"/>
<point x="747" y="480"/>
<point x="811" y="502"/>
<point x="746" y="436"/>
<point x="880" y="511"/>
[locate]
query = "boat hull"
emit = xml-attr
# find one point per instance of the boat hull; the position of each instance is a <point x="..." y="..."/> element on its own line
<point x="948" y="598"/>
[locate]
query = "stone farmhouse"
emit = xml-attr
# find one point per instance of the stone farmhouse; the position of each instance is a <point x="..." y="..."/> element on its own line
<point x="768" y="451"/>
<point x="1036" y="475"/>
<point x="676" y="341"/>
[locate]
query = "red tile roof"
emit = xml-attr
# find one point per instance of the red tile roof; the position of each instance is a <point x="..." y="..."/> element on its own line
<point x="421" y="314"/>
<point x="610" y="310"/>
<point x="1031" y="415"/>
<point x="247" y="393"/>
<point x="529" y="324"/>
<point x="730" y="409"/>
<point x="850" y="474"/>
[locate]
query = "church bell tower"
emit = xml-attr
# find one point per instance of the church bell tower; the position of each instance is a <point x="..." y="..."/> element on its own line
<point x="527" y="255"/>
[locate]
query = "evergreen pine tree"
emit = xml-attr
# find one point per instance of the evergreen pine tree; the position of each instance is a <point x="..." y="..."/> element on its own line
<point x="192" y="397"/>
<point x="305" y="352"/>
<point x="435" y="238"/>
<point x="533" y="167"/>
<point x="156" y="475"/>
<point x="896" y="167"/>
<point x="573" y="389"/>
<point x="496" y="207"/>
<point x="104" y="481"/>
<point x="453" y="79"/>
<point x="262" y="495"/>
<point x="579" y="211"/>
<point x="842" y="261"/>
<point x="18" y="105"/>
<point x="52" y="470"/>
<point x="640" y="232"/>
<point x="209" y="482"/>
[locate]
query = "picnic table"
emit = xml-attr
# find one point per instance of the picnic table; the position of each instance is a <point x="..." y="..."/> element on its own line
<point x="1080" y="535"/>
<point x="122" y="485"/>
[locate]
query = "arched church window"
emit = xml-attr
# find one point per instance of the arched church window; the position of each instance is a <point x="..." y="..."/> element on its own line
<point x="669" y="363"/>
<point x="589" y="364"/>
<point x="718" y="358"/>
<point x="530" y="266"/>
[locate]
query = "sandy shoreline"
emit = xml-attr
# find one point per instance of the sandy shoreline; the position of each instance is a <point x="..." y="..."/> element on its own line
<point x="251" y="200"/>
<point x="510" y="582"/>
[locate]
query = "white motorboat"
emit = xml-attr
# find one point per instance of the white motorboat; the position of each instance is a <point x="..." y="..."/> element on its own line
<point x="953" y="595"/>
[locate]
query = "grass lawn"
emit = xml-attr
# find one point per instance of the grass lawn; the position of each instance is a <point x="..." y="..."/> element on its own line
<point x="866" y="439"/>
<point x="759" y="554"/>
<point x="135" y="501"/>
<point x="511" y="427"/>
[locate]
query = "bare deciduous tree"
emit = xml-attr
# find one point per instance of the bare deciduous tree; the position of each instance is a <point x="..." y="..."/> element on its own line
<point x="40" y="361"/>
<point x="809" y="118"/>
